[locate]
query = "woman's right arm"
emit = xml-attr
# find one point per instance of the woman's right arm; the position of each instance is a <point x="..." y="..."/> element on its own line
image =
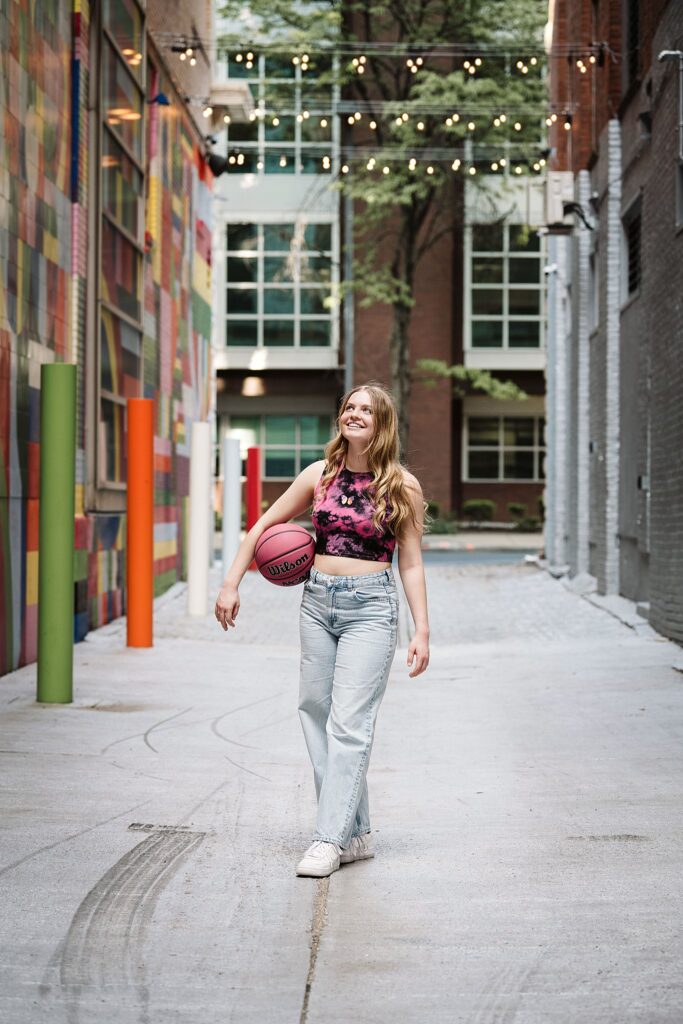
<point x="294" y="502"/>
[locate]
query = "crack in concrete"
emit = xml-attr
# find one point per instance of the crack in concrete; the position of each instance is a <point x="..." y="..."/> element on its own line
<point x="317" y="925"/>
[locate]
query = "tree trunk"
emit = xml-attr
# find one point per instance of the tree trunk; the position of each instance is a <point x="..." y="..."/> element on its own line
<point x="400" y="371"/>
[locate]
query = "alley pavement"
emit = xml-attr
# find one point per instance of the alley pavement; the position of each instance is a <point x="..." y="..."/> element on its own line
<point x="526" y="795"/>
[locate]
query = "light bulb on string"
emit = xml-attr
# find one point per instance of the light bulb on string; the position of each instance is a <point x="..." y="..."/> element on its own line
<point x="326" y="163"/>
<point x="356" y="116"/>
<point x="193" y="61"/>
<point x="567" y="122"/>
<point x="430" y="169"/>
<point x="404" y="116"/>
<point x="259" y="165"/>
<point x="494" y="166"/>
<point x="518" y="169"/>
<point x="412" y="163"/>
<point x="496" y="122"/>
<point x="226" y="118"/>
<point x="239" y="58"/>
<point x="240" y="159"/>
<point x="283" y="161"/>
<point x="542" y="162"/>
<point x="478" y="62"/>
<point x="455" y="165"/>
<point x="345" y="168"/>
<point x="471" y="126"/>
<point x="207" y="111"/>
<point x="472" y="170"/>
<point x="592" y="58"/>
<point x="323" y="122"/>
<point x="548" y="121"/>
<point x="252" y="115"/>
<point x="275" y="122"/>
<point x="553" y="118"/>
<point x="534" y="61"/>
<point x="398" y="121"/>
<point x="502" y="162"/>
<point x="503" y="118"/>
<point x="183" y="56"/>
<point x="373" y="125"/>
<point x="385" y="169"/>
<point x="518" y="126"/>
<point x="231" y="159"/>
<point x="349" y="120"/>
<point x="420" y="126"/>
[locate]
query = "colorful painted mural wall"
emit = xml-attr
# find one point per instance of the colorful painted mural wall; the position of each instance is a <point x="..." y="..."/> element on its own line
<point x="45" y="225"/>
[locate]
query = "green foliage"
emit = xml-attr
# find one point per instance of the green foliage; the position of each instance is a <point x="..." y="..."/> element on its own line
<point x="528" y="524"/>
<point x="478" y="510"/>
<point x="466" y="380"/>
<point x="517" y="509"/>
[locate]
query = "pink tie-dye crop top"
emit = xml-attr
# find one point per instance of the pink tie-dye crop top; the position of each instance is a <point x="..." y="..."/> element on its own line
<point x="343" y="520"/>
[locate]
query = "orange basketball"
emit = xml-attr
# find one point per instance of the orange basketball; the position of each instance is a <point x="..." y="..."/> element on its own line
<point x="284" y="554"/>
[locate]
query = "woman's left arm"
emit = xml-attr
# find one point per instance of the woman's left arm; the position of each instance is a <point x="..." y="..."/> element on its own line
<point x="411" y="569"/>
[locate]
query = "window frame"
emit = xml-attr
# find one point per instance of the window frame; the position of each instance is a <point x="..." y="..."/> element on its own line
<point x="105" y="38"/>
<point x="226" y="426"/>
<point x="505" y="286"/>
<point x="259" y="285"/>
<point x="265" y="150"/>
<point x="538" y="447"/>
<point x="633" y="214"/>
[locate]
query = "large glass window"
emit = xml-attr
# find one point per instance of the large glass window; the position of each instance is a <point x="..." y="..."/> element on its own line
<point x="279" y="285"/>
<point x="122" y="224"/>
<point x="507" y="288"/>
<point x="289" y="442"/>
<point x="505" y="448"/>
<point x="292" y="130"/>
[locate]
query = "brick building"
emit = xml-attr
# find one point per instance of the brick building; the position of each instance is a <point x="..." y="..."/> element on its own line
<point x="105" y="209"/>
<point x="615" y="379"/>
<point x="285" y="348"/>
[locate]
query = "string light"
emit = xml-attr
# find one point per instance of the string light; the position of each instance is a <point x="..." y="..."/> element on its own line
<point x="430" y="169"/>
<point x="207" y="111"/>
<point x="420" y="126"/>
<point x="373" y="125"/>
<point x="518" y="126"/>
<point x="226" y="118"/>
<point x="275" y="122"/>
<point x="385" y="170"/>
<point x="350" y="119"/>
<point x="323" y="122"/>
<point x="412" y="164"/>
<point x="473" y="170"/>
<point x="356" y="116"/>
<point x="193" y="61"/>
<point x="455" y="165"/>
<point x="345" y="168"/>
<point x="240" y="159"/>
<point x="326" y="163"/>
<point x="494" y="166"/>
<point x="471" y="126"/>
<point x="283" y="161"/>
<point x="404" y="116"/>
<point x="567" y="122"/>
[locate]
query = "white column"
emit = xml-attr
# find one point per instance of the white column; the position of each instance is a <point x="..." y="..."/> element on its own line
<point x="583" y="383"/>
<point x="612" y="372"/>
<point x="200" y="524"/>
<point x="232" y="500"/>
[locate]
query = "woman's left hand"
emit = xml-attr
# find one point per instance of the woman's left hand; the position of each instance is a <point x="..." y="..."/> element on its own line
<point x="418" y="652"/>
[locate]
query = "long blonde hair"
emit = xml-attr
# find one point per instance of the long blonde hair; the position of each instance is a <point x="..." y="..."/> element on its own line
<point x="389" y="485"/>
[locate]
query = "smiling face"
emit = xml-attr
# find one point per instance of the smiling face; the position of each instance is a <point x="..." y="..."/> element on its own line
<point x="356" y="421"/>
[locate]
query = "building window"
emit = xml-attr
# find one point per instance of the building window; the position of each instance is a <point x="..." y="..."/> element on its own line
<point x="505" y="448"/>
<point x="121" y="198"/>
<point x="632" y="250"/>
<point x="506" y="287"/>
<point x="679" y="193"/>
<point x="593" y="290"/>
<point x="631" y="34"/>
<point x="292" y="130"/>
<point x="280" y="281"/>
<point x="289" y="443"/>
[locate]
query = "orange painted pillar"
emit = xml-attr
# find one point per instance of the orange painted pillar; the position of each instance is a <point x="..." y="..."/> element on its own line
<point x="140" y="522"/>
<point x="253" y="489"/>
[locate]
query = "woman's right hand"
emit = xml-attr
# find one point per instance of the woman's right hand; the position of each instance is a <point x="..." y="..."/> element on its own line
<point x="227" y="605"/>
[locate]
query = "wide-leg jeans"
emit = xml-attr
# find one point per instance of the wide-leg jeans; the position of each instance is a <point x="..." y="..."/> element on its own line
<point x="348" y="628"/>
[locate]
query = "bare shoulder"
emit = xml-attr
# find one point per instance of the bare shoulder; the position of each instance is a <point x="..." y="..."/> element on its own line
<point x="411" y="481"/>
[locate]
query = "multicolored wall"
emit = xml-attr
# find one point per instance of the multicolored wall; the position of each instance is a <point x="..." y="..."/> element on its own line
<point x="47" y="210"/>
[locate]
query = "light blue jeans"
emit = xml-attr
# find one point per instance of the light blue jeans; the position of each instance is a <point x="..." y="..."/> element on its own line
<point x="348" y="628"/>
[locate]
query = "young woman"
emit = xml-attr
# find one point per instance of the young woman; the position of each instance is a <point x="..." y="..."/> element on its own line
<point x="364" y="501"/>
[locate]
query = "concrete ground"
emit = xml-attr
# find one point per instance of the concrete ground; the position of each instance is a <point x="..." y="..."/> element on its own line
<point x="527" y="801"/>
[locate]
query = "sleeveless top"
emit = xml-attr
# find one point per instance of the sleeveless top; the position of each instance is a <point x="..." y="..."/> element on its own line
<point x="343" y="521"/>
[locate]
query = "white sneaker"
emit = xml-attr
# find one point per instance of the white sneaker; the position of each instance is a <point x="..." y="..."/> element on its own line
<point x="360" y="848"/>
<point x="320" y="859"/>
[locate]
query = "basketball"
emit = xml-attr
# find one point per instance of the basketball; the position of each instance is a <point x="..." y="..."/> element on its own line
<point x="284" y="554"/>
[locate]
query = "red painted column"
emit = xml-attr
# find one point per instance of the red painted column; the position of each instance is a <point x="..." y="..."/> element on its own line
<point x="140" y="523"/>
<point x="253" y="489"/>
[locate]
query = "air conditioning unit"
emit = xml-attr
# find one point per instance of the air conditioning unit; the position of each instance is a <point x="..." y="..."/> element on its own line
<point x="559" y="189"/>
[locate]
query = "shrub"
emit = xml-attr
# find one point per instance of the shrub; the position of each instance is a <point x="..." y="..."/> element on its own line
<point x="528" y="524"/>
<point x="478" y="510"/>
<point x="517" y="509"/>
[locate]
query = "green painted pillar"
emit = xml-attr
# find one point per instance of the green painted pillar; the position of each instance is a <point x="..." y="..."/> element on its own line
<point x="56" y="533"/>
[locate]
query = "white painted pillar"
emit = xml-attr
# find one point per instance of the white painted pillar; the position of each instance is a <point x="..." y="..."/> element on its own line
<point x="232" y="500"/>
<point x="612" y="370"/>
<point x="582" y="554"/>
<point x="200" y="524"/>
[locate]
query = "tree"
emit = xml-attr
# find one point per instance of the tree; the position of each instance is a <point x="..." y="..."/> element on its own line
<point x="441" y="99"/>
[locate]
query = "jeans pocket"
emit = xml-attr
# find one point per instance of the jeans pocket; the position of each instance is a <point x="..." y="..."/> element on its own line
<point x="368" y="594"/>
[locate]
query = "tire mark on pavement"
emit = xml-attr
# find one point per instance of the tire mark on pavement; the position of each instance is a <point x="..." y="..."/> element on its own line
<point x="67" y="839"/>
<point x="499" y="1002"/>
<point x="266" y="725"/>
<point x="103" y="953"/>
<point x="137" y="735"/>
<point x="156" y="725"/>
<point x="245" y="769"/>
<point x="317" y="925"/>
